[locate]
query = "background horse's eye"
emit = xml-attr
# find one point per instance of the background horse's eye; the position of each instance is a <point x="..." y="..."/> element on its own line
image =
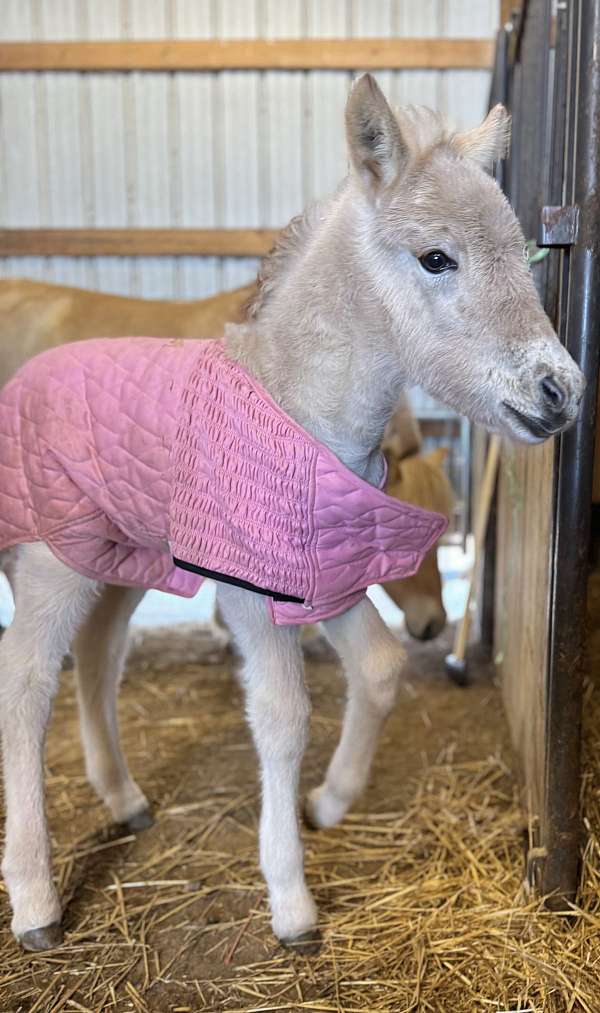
<point x="436" y="262"/>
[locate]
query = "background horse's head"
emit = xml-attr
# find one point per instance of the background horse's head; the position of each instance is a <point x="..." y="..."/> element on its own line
<point x="444" y="263"/>
<point x="421" y="479"/>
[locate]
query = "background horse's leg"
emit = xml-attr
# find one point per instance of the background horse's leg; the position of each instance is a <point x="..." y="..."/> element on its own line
<point x="51" y="602"/>
<point x="373" y="660"/>
<point x="100" y="649"/>
<point x="278" y="710"/>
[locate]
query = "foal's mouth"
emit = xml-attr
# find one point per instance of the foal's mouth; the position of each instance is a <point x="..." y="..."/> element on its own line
<point x="535" y="426"/>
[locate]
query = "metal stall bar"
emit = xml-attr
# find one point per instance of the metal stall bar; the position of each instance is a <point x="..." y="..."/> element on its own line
<point x="479" y="441"/>
<point x="560" y="829"/>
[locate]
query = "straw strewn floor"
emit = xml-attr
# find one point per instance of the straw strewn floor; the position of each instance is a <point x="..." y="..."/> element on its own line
<point x="420" y="890"/>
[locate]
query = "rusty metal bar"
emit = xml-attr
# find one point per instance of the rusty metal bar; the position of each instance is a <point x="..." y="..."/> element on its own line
<point x="559" y="225"/>
<point x="554" y="267"/>
<point x="498" y="93"/>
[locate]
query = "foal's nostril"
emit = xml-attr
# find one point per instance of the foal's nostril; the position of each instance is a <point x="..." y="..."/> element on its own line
<point x="429" y="631"/>
<point x="553" y="394"/>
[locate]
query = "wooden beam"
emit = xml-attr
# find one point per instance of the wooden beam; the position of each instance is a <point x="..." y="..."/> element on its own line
<point x="249" y="54"/>
<point x="136" y="242"/>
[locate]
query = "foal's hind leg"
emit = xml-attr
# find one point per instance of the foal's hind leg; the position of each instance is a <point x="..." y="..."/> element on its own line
<point x="51" y="602"/>
<point x="100" y="649"/>
<point x="373" y="660"/>
<point x="278" y="711"/>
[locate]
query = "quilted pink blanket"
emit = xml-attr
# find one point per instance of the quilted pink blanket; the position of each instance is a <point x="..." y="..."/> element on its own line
<point x="155" y="463"/>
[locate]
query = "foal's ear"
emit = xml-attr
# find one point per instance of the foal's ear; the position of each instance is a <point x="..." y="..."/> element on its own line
<point x="489" y="142"/>
<point x="376" y="147"/>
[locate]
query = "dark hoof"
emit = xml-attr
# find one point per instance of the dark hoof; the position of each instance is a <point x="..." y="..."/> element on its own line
<point x="139" y="821"/>
<point x="42" y="939"/>
<point x="306" y="945"/>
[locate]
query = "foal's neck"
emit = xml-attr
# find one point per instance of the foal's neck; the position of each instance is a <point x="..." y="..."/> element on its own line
<point x="318" y="346"/>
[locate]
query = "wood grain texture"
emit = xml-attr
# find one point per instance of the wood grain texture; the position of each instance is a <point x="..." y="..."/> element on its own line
<point x="249" y="54"/>
<point x="523" y="586"/>
<point x="136" y="242"/>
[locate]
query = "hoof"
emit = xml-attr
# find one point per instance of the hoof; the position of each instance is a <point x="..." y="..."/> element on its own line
<point x="140" y="820"/>
<point x="306" y="944"/>
<point x="46" y="938"/>
<point x="322" y="810"/>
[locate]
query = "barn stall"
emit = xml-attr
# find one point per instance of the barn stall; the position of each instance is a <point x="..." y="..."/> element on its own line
<point x="544" y="518"/>
<point x="159" y="159"/>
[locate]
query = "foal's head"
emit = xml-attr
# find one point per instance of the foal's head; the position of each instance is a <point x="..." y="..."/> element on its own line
<point x="444" y="257"/>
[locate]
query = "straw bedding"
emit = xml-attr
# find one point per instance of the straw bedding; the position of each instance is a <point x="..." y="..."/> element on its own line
<point x="420" y="890"/>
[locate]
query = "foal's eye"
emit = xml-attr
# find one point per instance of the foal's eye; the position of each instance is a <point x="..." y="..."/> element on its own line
<point x="436" y="262"/>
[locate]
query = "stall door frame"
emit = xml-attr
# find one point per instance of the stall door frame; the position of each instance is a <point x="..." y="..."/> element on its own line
<point x="548" y="72"/>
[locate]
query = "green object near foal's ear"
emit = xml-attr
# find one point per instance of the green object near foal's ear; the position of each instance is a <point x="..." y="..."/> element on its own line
<point x="534" y="253"/>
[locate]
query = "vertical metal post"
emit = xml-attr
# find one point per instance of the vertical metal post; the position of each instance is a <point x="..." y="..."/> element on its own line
<point x="498" y="93"/>
<point x="560" y="831"/>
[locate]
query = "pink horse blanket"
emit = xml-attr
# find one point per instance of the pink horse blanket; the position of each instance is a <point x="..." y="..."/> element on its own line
<point x="155" y="463"/>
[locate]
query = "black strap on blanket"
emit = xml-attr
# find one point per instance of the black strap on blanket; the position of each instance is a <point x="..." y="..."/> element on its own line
<point x="275" y="595"/>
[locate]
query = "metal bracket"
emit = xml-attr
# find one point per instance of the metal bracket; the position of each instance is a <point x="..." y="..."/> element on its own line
<point x="559" y="225"/>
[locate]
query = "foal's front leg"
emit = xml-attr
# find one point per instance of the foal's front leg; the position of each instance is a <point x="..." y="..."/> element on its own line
<point x="50" y="603"/>
<point x="373" y="660"/>
<point x="278" y="710"/>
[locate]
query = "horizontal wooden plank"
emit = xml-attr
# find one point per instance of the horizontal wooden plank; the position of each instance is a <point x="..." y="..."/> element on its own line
<point x="136" y="242"/>
<point x="249" y="54"/>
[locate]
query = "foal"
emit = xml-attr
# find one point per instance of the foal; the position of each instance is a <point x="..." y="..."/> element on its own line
<point x="413" y="272"/>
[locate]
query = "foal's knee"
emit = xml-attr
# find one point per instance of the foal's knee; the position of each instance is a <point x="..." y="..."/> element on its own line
<point x="382" y="668"/>
<point x="279" y="722"/>
<point x="372" y="656"/>
<point x="26" y="688"/>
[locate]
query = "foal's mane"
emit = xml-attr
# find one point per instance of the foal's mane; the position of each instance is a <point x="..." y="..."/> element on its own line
<point x="287" y="247"/>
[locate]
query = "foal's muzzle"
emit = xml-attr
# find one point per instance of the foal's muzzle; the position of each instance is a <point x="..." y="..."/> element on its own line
<point x="536" y="426"/>
<point x="554" y="408"/>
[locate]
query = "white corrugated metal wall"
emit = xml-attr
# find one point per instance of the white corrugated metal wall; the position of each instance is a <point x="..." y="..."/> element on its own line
<point x="227" y="149"/>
